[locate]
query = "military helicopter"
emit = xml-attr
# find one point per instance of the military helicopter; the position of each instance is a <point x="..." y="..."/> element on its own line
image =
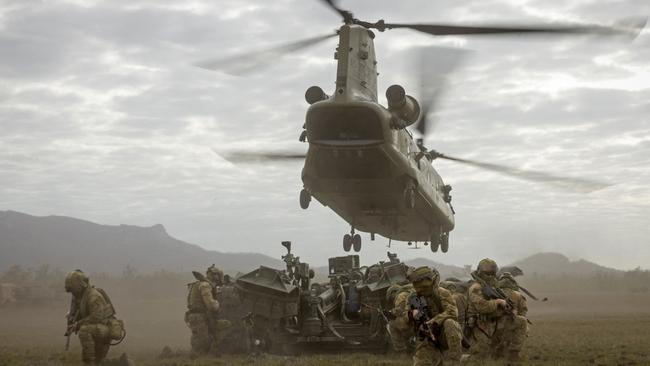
<point x="362" y="160"/>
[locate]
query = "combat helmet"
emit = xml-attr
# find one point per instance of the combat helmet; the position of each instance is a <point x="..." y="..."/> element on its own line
<point x="448" y="285"/>
<point x="424" y="273"/>
<point x="392" y="292"/>
<point x="76" y="281"/>
<point x="487" y="267"/>
<point x="214" y="275"/>
<point x="507" y="280"/>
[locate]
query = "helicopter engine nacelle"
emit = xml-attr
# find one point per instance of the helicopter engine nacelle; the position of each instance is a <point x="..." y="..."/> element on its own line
<point x="404" y="107"/>
<point x="315" y="94"/>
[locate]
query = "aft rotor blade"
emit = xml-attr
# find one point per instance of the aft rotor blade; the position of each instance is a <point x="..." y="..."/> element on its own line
<point x="630" y="27"/>
<point x="253" y="157"/>
<point x="576" y="184"/>
<point x="248" y="62"/>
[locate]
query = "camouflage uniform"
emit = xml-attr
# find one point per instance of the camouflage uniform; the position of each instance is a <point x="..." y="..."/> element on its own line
<point x="509" y="285"/>
<point x="443" y="312"/>
<point x="236" y="338"/>
<point x="93" y="311"/>
<point x="201" y="313"/>
<point x="488" y="320"/>
<point x="459" y="297"/>
<point x="400" y="330"/>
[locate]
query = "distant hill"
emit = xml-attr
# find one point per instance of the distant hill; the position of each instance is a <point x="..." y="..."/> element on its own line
<point x="558" y="264"/>
<point x="445" y="270"/>
<point x="66" y="243"/>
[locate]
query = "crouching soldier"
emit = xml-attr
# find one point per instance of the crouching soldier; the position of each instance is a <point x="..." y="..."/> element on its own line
<point x="491" y="319"/>
<point x="510" y="287"/>
<point x="92" y="317"/>
<point x="432" y="312"/>
<point x="202" y="309"/>
<point x="400" y="330"/>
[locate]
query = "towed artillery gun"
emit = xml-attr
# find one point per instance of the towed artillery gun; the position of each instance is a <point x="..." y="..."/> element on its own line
<point x="293" y="314"/>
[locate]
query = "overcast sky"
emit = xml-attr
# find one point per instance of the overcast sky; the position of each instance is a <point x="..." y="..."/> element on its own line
<point x="103" y="117"/>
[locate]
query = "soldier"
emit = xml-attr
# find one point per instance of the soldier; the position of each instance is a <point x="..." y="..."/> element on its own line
<point x="92" y="316"/>
<point x="236" y="339"/>
<point x="460" y="297"/>
<point x="201" y="314"/>
<point x="489" y="318"/>
<point x="399" y="329"/>
<point x="510" y="287"/>
<point x="442" y="314"/>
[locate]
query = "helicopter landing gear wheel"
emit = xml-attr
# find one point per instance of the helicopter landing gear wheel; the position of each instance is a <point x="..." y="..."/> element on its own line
<point x="305" y="198"/>
<point x="444" y="242"/>
<point x="356" y="242"/>
<point x="434" y="245"/>
<point x="436" y="238"/>
<point x="347" y="242"/>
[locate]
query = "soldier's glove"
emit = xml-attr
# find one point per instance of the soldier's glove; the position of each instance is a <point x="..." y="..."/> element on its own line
<point x="72" y="328"/>
<point x="413" y="314"/>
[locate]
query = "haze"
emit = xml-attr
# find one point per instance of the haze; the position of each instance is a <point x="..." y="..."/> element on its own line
<point x="104" y="118"/>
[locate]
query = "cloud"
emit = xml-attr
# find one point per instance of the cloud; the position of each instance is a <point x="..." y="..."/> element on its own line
<point x="104" y="118"/>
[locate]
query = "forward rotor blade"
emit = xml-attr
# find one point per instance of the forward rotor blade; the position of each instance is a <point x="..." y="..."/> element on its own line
<point x="248" y="62"/>
<point x="435" y="66"/>
<point x="253" y="157"/>
<point x="575" y="184"/>
<point x="346" y="15"/>
<point x="630" y="27"/>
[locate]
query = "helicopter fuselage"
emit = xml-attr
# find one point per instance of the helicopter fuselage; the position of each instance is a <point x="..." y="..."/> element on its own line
<point x="364" y="167"/>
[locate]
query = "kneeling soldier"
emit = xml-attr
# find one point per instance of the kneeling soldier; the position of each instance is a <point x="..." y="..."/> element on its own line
<point x="433" y="313"/>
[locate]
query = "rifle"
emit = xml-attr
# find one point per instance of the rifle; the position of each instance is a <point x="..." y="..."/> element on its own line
<point x="494" y="292"/>
<point x="71" y="317"/>
<point x="425" y="329"/>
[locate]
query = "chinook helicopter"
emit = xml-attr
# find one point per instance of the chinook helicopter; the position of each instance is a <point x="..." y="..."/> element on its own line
<point x="362" y="160"/>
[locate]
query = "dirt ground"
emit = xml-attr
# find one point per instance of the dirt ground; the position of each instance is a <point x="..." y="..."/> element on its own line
<point x="569" y="329"/>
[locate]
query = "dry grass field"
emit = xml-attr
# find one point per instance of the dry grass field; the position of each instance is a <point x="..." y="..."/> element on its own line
<point x="569" y="329"/>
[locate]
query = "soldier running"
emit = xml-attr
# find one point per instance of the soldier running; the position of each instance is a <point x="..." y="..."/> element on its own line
<point x="92" y="316"/>
<point x="490" y="318"/>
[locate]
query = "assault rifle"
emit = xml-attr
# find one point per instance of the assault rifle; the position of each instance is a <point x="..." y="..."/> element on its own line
<point x="424" y="328"/>
<point x="494" y="292"/>
<point x="71" y="318"/>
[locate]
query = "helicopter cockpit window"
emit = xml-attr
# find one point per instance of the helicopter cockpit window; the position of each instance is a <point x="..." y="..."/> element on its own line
<point x="344" y="123"/>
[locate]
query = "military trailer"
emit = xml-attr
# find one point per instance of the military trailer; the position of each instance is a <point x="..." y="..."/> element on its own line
<point x="292" y="314"/>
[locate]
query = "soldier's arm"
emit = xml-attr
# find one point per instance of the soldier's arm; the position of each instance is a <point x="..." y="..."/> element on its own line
<point x="404" y="318"/>
<point x="522" y="307"/>
<point x="449" y="309"/>
<point x="401" y="311"/>
<point x="206" y="295"/>
<point x="482" y="305"/>
<point x="96" y="309"/>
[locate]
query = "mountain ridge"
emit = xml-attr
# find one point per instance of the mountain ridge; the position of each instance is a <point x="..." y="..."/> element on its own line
<point x="66" y="242"/>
